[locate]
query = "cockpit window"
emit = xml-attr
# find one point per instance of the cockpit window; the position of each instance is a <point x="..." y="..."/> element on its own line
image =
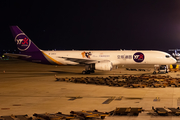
<point x="167" y="56"/>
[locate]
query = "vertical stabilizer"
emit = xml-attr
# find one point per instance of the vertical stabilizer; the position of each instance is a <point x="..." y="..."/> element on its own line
<point x="24" y="44"/>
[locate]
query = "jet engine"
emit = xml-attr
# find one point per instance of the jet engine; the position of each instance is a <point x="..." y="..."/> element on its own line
<point x="103" y="66"/>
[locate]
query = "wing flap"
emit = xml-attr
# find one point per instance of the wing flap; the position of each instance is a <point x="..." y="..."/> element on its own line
<point x="80" y="61"/>
<point x="83" y="61"/>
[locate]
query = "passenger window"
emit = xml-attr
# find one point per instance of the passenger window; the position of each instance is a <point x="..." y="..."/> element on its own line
<point x="167" y="56"/>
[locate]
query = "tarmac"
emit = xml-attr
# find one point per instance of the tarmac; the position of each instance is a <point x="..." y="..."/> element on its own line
<point x="28" y="88"/>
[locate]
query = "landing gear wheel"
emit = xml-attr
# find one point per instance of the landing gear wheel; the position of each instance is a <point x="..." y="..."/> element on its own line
<point x="86" y="72"/>
<point x="92" y="71"/>
<point x="83" y="72"/>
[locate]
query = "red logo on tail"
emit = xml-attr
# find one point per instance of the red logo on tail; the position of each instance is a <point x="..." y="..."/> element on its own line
<point x="25" y="41"/>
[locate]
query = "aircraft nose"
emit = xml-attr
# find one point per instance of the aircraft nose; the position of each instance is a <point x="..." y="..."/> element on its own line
<point x="173" y="60"/>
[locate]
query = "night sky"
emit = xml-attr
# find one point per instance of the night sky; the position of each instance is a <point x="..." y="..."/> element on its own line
<point x="93" y="24"/>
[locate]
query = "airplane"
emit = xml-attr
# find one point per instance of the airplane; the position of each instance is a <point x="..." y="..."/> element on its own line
<point x="92" y="60"/>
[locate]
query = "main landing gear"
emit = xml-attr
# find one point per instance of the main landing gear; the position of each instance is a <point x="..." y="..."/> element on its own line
<point x="88" y="69"/>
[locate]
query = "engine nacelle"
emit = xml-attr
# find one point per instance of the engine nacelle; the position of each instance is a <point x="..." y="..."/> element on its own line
<point x="103" y="66"/>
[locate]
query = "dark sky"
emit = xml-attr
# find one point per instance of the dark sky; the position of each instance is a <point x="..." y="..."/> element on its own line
<point x="93" y="24"/>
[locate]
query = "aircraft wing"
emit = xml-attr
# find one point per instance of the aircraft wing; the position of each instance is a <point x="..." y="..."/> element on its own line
<point x="82" y="61"/>
<point x="18" y="56"/>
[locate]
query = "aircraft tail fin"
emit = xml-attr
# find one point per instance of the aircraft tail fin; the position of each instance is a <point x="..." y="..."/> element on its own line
<point x="24" y="44"/>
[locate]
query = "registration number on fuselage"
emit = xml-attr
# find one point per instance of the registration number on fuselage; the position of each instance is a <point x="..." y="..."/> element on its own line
<point x="52" y="53"/>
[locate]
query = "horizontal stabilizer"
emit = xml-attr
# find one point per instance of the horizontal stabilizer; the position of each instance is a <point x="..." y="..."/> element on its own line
<point x="18" y="56"/>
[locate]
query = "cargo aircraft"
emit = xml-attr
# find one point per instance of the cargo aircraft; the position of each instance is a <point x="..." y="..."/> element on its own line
<point x="92" y="60"/>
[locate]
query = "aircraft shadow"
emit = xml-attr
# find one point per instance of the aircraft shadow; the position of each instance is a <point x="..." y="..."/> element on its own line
<point x="69" y="72"/>
<point x="65" y="72"/>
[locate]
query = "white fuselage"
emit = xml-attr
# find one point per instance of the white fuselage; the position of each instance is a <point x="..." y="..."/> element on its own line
<point x="149" y="57"/>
